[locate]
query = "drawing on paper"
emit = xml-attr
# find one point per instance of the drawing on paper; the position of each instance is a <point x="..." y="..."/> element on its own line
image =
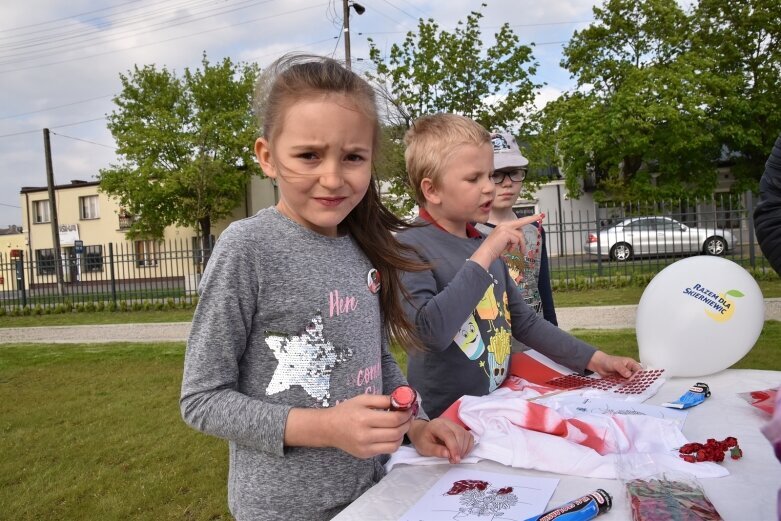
<point x="470" y="495"/>
<point x="479" y="499"/>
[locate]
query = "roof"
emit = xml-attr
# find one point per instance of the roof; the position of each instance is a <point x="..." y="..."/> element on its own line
<point x="76" y="183"/>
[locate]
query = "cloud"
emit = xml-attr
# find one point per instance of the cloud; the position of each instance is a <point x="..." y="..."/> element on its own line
<point x="67" y="77"/>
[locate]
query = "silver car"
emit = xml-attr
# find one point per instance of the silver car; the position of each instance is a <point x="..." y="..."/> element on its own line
<point x="645" y="236"/>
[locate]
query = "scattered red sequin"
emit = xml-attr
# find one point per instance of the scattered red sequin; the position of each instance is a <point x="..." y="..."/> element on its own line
<point x="711" y="450"/>
<point x="459" y="487"/>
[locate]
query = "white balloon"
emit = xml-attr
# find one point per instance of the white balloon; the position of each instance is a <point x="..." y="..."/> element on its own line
<point x="699" y="316"/>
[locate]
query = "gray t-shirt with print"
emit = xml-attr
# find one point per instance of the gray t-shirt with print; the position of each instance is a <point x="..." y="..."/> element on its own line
<point x="285" y="319"/>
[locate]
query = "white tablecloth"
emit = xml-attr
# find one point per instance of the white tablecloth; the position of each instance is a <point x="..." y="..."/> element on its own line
<point x="747" y="494"/>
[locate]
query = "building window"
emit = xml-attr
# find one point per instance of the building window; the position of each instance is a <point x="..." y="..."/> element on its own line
<point x="93" y="258"/>
<point x="44" y="261"/>
<point x="41" y="211"/>
<point x="88" y="207"/>
<point x="126" y="219"/>
<point x="146" y="253"/>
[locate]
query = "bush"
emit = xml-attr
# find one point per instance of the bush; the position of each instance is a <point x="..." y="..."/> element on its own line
<point x="90" y="307"/>
<point x="100" y="306"/>
<point x="38" y="310"/>
<point x="137" y="306"/>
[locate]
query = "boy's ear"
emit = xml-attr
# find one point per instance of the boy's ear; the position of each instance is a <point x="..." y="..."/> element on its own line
<point x="263" y="155"/>
<point x="430" y="192"/>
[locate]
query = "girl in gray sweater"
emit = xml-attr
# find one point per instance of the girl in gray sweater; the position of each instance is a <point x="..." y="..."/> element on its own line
<point x="288" y="355"/>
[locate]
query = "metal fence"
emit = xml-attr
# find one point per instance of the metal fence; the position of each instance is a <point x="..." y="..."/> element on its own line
<point x="139" y="275"/>
<point x="582" y="249"/>
<point x="617" y="244"/>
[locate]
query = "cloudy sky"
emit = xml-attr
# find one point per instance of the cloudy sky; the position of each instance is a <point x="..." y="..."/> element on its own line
<point x="60" y="61"/>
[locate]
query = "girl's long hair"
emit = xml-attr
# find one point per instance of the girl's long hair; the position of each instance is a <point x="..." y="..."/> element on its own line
<point x="295" y="77"/>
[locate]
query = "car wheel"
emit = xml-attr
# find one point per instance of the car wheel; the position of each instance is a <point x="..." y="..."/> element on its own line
<point x="621" y="252"/>
<point x="714" y="246"/>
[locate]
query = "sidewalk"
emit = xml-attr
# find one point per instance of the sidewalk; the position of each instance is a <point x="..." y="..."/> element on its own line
<point x="592" y="317"/>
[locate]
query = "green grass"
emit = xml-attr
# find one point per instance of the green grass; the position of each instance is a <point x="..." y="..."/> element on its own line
<point x="764" y="355"/>
<point x="631" y="295"/>
<point x="93" y="431"/>
<point x="623" y="342"/>
<point x="571" y="298"/>
<point x="103" y="317"/>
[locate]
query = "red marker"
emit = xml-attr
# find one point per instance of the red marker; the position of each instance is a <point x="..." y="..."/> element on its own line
<point x="404" y="398"/>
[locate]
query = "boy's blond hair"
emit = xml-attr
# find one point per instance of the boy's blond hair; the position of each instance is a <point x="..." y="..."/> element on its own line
<point x="431" y="140"/>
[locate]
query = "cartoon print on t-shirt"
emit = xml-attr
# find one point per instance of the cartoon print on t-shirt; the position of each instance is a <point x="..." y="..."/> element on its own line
<point x="488" y="309"/>
<point x="498" y="358"/>
<point x="505" y="302"/>
<point x="306" y="360"/>
<point x="469" y="339"/>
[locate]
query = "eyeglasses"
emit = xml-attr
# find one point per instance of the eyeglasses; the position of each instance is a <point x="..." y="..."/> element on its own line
<point x="516" y="175"/>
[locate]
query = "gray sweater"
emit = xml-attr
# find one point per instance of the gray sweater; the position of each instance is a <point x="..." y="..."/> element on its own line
<point x="285" y="319"/>
<point x="466" y="316"/>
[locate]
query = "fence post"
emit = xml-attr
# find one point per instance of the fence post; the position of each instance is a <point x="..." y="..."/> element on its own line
<point x="752" y="258"/>
<point x="599" y="243"/>
<point x="111" y="271"/>
<point x="20" y="277"/>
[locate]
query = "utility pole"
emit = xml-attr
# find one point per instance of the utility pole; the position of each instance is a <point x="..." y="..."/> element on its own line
<point x="53" y="211"/>
<point x="346" y="4"/>
<point x="346" y="31"/>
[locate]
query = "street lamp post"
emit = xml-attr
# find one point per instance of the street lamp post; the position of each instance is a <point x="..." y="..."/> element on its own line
<point x="359" y="9"/>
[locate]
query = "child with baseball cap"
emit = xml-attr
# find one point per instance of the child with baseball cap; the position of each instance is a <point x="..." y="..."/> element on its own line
<point x="466" y="308"/>
<point x="529" y="264"/>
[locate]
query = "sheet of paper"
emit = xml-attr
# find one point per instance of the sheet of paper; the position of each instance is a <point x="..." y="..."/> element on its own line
<point x="581" y="404"/>
<point x="462" y="494"/>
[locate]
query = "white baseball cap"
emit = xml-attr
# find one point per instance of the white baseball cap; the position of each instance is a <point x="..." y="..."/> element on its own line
<point x="506" y="151"/>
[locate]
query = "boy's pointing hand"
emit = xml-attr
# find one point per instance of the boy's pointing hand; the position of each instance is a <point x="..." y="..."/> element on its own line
<point x="507" y="236"/>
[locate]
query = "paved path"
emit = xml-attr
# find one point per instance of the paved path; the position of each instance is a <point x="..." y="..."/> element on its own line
<point x="593" y="317"/>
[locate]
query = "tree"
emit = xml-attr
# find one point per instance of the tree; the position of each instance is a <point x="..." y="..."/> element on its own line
<point x="434" y="70"/>
<point x="640" y="107"/>
<point x="668" y="94"/>
<point x="741" y="44"/>
<point x="185" y="145"/>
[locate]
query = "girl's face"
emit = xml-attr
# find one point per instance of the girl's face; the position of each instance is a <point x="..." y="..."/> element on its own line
<point x="321" y="159"/>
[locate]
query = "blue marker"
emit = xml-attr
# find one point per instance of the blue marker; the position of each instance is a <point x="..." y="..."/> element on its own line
<point x="581" y="509"/>
<point x="694" y="396"/>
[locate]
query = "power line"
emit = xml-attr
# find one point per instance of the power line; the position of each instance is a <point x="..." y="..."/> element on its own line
<point x="163" y="41"/>
<point x="421" y="11"/>
<point x="541" y="24"/>
<point x="109" y="95"/>
<point x="85" y="141"/>
<point x="76" y="27"/>
<point x="119" y="35"/>
<point x="338" y="39"/>
<point x="400" y="9"/>
<point x="55" y="107"/>
<point x="53" y="126"/>
<point x="10" y="205"/>
<point x="67" y="17"/>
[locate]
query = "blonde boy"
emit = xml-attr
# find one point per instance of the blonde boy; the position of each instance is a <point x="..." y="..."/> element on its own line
<point x="466" y="307"/>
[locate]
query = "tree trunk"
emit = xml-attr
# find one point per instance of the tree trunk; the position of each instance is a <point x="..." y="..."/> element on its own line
<point x="631" y="165"/>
